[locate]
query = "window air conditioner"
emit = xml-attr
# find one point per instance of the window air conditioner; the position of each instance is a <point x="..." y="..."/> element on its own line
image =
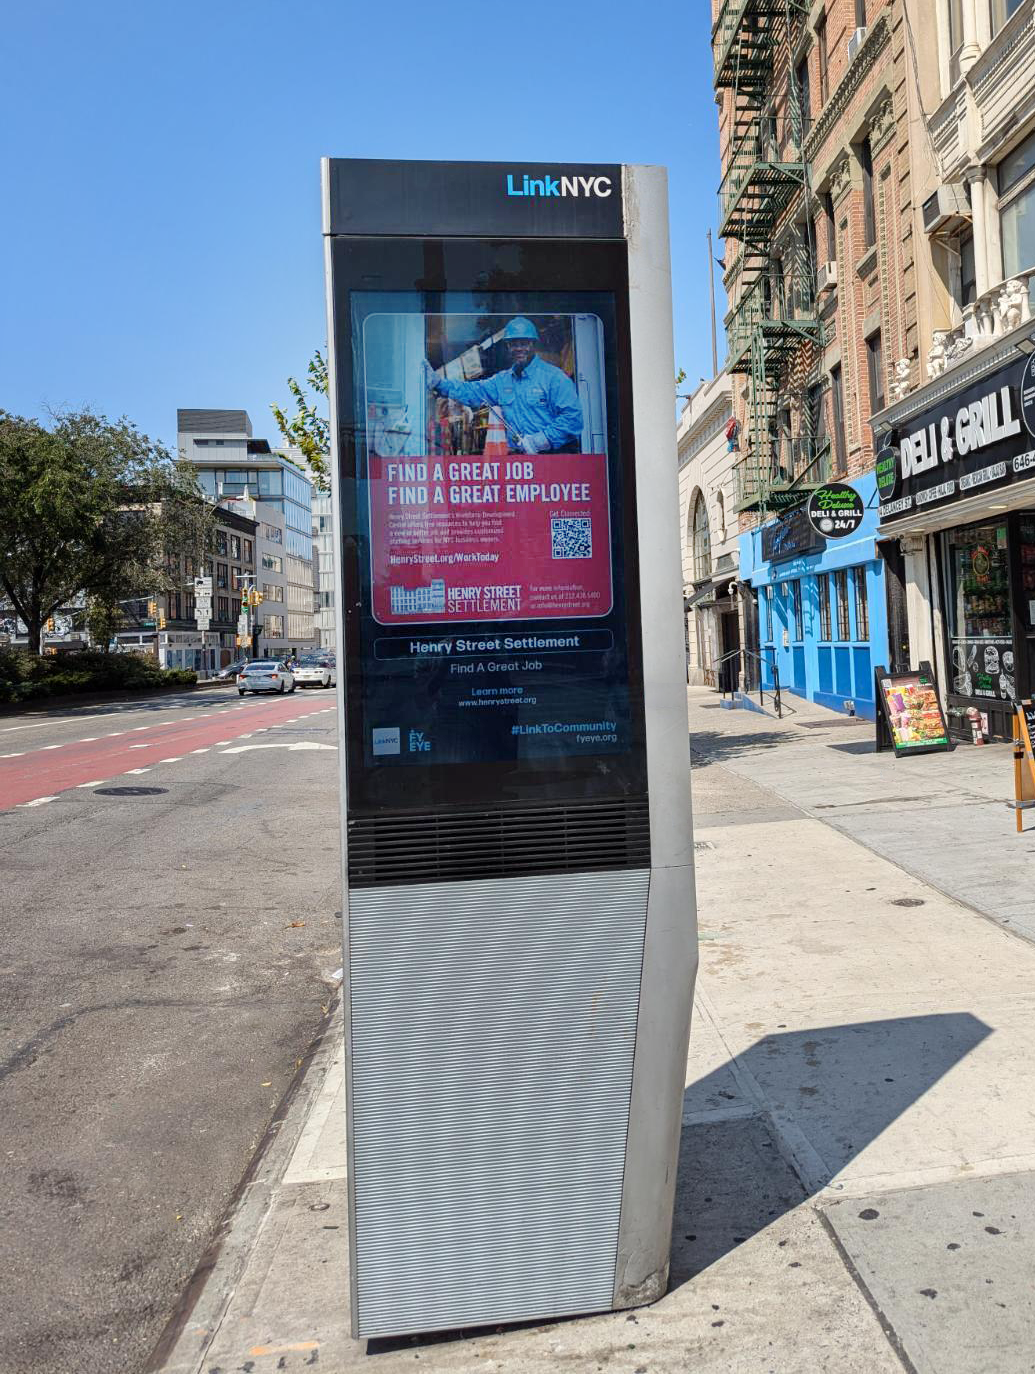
<point x="856" y="41"/>
<point x="947" y="206"/>
<point x="826" y="277"/>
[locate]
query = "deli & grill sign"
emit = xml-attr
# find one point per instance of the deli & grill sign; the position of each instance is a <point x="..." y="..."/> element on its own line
<point x="983" y="438"/>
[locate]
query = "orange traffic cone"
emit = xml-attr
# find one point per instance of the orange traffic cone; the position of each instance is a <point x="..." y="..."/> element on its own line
<point x="495" y="438"/>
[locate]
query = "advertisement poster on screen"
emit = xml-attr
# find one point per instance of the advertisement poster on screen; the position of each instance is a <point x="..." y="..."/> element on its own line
<point x="494" y="625"/>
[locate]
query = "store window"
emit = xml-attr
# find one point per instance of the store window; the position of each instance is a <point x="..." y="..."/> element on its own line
<point x="221" y="542"/>
<point x="1016" y="175"/>
<point x="977" y="600"/>
<point x="221" y="575"/>
<point x="1026" y="531"/>
<point x="1001" y="11"/>
<point x="235" y="546"/>
<point x="862" y="605"/>
<point x="799" y="618"/>
<point x="702" y="541"/>
<point x="844" y="625"/>
<point x="823" y="588"/>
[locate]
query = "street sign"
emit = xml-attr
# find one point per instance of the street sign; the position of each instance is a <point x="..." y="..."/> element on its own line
<point x="203" y="586"/>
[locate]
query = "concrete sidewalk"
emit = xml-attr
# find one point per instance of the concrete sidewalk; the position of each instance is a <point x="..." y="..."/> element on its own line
<point x="856" y="1189"/>
<point x="943" y="817"/>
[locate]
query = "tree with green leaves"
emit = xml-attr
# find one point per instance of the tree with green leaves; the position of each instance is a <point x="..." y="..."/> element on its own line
<point x="308" y="429"/>
<point x="91" y="507"/>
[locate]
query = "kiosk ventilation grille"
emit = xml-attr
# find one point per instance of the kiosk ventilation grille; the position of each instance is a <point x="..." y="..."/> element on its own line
<point x="491" y="1039"/>
<point x="432" y="847"/>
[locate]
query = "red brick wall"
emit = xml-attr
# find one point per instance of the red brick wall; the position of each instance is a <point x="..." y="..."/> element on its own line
<point x="883" y="292"/>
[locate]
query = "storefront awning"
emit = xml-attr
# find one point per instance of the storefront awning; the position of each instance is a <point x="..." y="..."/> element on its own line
<point x="708" y="589"/>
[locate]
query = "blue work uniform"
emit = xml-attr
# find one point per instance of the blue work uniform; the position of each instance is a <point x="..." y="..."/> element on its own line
<point x="540" y="400"/>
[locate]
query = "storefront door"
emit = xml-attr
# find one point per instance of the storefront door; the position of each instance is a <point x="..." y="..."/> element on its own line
<point x="982" y="567"/>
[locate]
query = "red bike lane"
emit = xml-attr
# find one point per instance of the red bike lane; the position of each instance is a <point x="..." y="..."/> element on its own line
<point x="44" y="772"/>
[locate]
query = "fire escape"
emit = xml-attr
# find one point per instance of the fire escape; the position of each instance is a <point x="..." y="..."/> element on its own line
<point x="772" y="325"/>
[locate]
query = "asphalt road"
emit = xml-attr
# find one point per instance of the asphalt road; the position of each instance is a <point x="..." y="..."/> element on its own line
<point x="165" y="959"/>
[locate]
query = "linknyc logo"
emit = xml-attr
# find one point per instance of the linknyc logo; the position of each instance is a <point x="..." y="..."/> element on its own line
<point x="559" y="186"/>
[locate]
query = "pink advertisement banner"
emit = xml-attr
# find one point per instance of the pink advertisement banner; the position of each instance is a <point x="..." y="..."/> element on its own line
<point x="510" y="537"/>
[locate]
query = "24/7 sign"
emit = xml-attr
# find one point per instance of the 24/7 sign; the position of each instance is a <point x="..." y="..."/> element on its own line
<point x="836" y="510"/>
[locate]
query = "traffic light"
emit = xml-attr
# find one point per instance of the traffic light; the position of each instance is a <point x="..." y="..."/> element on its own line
<point x="256" y="597"/>
<point x="50" y="625"/>
<point x="152" y="608"/>
<point x="161" y="620"/>
<point x="238" y="641"/>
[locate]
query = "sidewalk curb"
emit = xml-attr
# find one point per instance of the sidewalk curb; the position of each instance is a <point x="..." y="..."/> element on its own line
<point x="203" y="1305"/>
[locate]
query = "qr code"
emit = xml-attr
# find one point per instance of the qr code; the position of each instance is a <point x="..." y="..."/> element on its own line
<point x="572" y="537"/>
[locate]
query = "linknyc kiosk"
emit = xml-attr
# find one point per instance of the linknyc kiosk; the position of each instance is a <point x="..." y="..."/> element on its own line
<point x="520" y="926"/>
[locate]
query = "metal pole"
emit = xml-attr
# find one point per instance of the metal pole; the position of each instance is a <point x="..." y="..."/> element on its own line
<point x="711" y="292"/>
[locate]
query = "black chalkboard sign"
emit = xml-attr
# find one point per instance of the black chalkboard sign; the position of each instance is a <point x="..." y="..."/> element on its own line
<point x="909" y="714"/>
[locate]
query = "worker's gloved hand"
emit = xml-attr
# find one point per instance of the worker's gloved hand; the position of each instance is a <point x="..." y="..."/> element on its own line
<point x="535" y="443"/>
<point x="429" y="376"/>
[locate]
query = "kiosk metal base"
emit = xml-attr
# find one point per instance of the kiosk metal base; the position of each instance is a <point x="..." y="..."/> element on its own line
<point x="491" y="1057"/>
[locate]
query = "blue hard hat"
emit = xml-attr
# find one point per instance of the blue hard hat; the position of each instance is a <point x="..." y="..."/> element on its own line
<point x="520" y="328"/>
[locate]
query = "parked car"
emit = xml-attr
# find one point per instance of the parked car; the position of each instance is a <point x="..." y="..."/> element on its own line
<point x="265" y="675"/>
<point x="232" y="670"/>
<point x="315" y="670"/>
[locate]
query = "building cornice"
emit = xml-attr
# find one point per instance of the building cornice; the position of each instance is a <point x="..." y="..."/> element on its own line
<point x="859" y="68"/>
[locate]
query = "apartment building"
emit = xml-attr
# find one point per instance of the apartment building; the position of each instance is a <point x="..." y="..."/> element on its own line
<point x="956" y="437"/>
<point x="817" y="209"/>
<point x="709" y="525"/>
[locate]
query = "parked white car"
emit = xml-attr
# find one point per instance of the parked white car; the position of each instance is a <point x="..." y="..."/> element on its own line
<point x="315" y="670"/>
<point x="265" y="675"/>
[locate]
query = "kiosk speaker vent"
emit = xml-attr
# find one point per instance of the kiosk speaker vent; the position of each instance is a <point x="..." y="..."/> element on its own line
<point x="429" y="847"/>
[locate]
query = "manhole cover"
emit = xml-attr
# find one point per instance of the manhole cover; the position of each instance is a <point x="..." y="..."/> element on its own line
<point x="907" y="901"/>
<point x="129" y="791"/>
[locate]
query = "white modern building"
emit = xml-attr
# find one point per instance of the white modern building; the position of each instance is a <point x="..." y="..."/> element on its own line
<point x="709" y="529"/>
<point x="234" y="466"/>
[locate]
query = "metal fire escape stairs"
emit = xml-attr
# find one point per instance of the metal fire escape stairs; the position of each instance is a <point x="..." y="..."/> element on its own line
<point x="773" y="311"/>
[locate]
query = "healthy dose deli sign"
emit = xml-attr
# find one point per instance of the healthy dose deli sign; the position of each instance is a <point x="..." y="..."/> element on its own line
<point x="983" y="438"/>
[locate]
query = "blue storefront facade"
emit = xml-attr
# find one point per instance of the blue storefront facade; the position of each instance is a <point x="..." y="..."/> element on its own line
<point x="822" y="606"/>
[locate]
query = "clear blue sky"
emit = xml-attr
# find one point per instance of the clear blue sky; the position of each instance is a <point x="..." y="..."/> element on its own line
<point x="161" y="229"/>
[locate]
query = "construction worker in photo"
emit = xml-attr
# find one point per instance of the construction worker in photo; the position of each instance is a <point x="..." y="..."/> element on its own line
<point x="537" y="402"/>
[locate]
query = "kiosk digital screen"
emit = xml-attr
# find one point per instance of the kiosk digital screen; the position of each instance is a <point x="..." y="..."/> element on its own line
<point x="492" y="626"/>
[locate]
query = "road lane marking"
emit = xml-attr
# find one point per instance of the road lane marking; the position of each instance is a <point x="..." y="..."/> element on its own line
<point x="13" y="756"/>
<point x="49" y="746"/>
<point x="141" y="746"/>
<point x="298" y="744"/>
<point x="201" y="751"/>
<point x="38" y="802"/>
<point x="177" y="759"/>
<point x="9" y="729"/>
<point x="220" y="742"/>
<point x="88" y="740"/>
<point x="138" y="770"/>
<point x="92" y="784"/>
<point x="114" y="733"/>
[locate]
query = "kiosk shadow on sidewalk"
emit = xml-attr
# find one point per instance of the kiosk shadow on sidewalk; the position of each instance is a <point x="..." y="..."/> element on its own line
<point x="840" y="1086"/>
